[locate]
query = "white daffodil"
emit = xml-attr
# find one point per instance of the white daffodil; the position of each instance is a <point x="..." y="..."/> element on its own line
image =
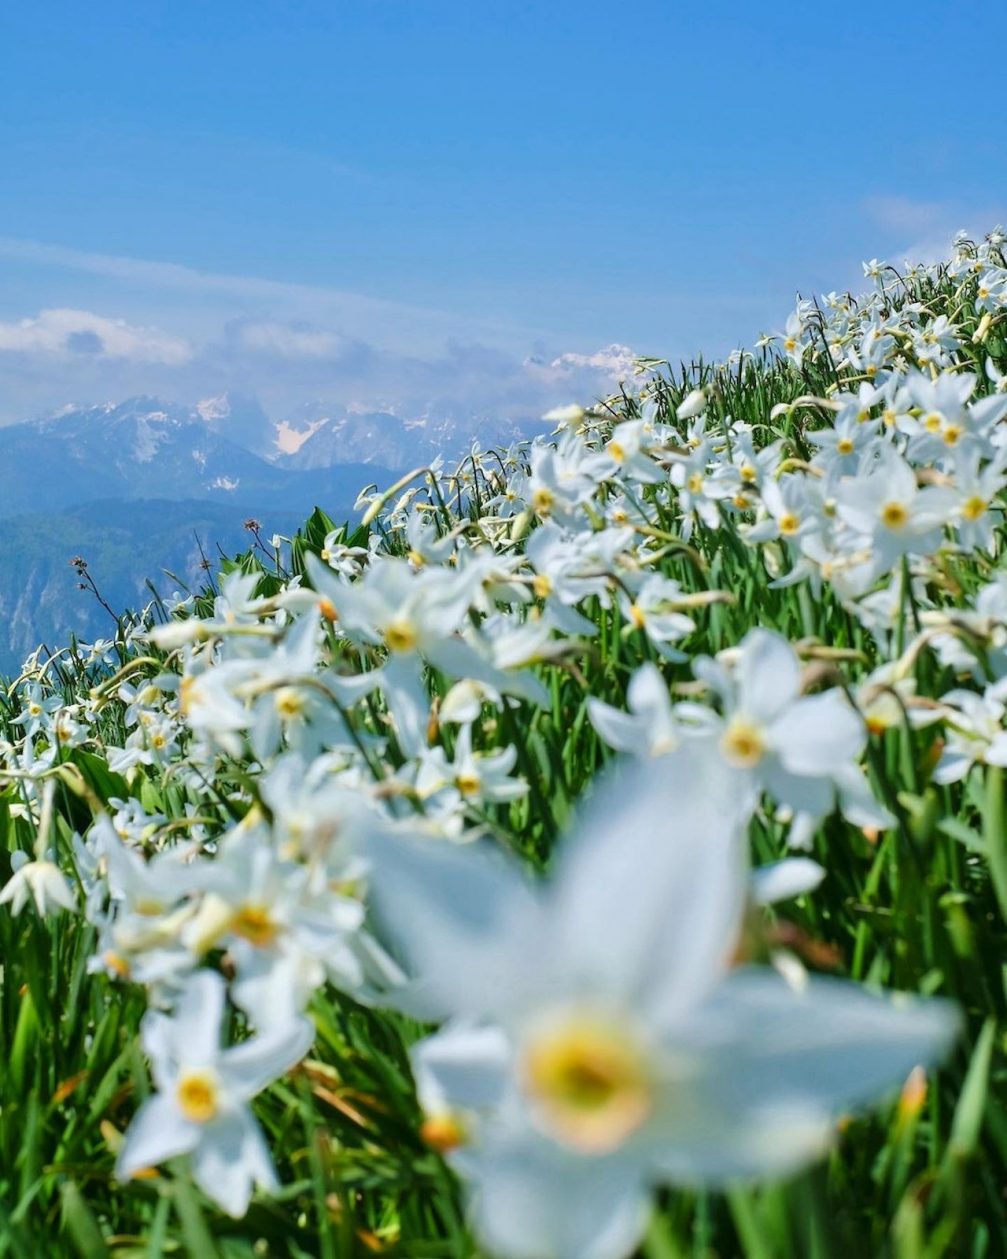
<point x="885" y="506"/>
<point x="598" y="1041"/>
<point x="654" y="605"/>
<point x="40" y="881"/>
<point x="975" y="732"/>
<point x="801" y="749"/>
<point x="283" y="932"/>
<point x="203" y="1090"/>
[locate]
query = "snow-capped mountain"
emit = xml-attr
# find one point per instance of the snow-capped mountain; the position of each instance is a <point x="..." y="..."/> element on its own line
<point x="321" y="436"/>
<point x="222" y="449"/>
<point x="143" y="448"/>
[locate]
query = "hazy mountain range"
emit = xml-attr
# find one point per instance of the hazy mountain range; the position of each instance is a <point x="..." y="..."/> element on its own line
<point x="134" y="486"/>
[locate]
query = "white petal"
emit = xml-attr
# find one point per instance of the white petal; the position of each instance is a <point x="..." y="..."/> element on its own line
<point x="647" y="896"/>
<point x="195" y="1027"/>
<point x="818" y="733"/>
<point x="230" y="1159"/>
<point x="158" y="1132"/>
<point x="250" y="1066"/>
<point x="785" y="879"/>
<point x="462" y="1066"/>
<point x="768" y="674"/>
<point x="623" y="731"/>
<point x="535" y="1202"/>
<point x="831" y="1045"/>
<point x="468" y="922"/>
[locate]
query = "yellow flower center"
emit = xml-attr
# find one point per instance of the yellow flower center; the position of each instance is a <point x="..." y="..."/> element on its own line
<point x="742" y="743"/>
<point x="894" y="515"/>
<point x="542" y="501"/>
<point x="255" y="924"/>
<point x="932" y="421"/>
<point x="617" y="451"/>
<point x="789" y="344"/>
<point x="541" y="583"/>
<point x="952" y="434"/>
<point x="400" y="636"/>
<point x="588" y="1082"/>
<point x="290" y="702"/>
<point x="973" y="508"/>
<point x="197" y="1095"/>
<point x="844" y="446"/>
<point x="789" y="523"/>
<point x="636" y="615"/>
<point x="748" y="472"/>
<point x="468" y="784"/>
<point x="695" y="483"/>
<point x="328" y="609"/>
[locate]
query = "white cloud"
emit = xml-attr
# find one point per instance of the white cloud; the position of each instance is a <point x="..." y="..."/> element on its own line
<point x="614" y="362"/>
<point x="82" y="333"/>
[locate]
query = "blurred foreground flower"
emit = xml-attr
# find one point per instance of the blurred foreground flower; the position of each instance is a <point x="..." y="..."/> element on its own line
<point x="599" y="1042"/>
<point x="201" y="1107"/>
<point x="40" y="881"/>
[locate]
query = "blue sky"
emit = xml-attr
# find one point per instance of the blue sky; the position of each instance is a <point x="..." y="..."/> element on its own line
<point x="402" y="202"/>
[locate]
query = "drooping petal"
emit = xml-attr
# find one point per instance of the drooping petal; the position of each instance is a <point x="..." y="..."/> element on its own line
<point x="531" y="1201"/>
<point x="781" y="880"/>
<point x="158" y="1132"/>
<point x="462" y="1066"/>
<point x="758" y="1142"/>
<point x="230" y="1159"/>
<point x="625" y="732"/>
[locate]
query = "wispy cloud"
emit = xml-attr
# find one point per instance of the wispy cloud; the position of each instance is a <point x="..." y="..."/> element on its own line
<point x="921" y="230"/>
<point x="293" y="341"/>
<point x="385" y="322"/>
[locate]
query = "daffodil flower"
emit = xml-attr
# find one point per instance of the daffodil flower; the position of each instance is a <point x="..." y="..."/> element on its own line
<point x="598" y="1041"/>
<point x="201" y="1107"/>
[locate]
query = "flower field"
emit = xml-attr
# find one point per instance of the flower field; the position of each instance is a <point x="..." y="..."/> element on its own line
<point x="599" y="850"/>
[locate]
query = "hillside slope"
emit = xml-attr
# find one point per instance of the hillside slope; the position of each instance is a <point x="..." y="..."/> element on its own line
<point x="124" y="544"/>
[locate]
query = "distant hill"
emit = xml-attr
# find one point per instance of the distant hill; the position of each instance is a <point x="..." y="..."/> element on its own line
<point x="124" y="544"/>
